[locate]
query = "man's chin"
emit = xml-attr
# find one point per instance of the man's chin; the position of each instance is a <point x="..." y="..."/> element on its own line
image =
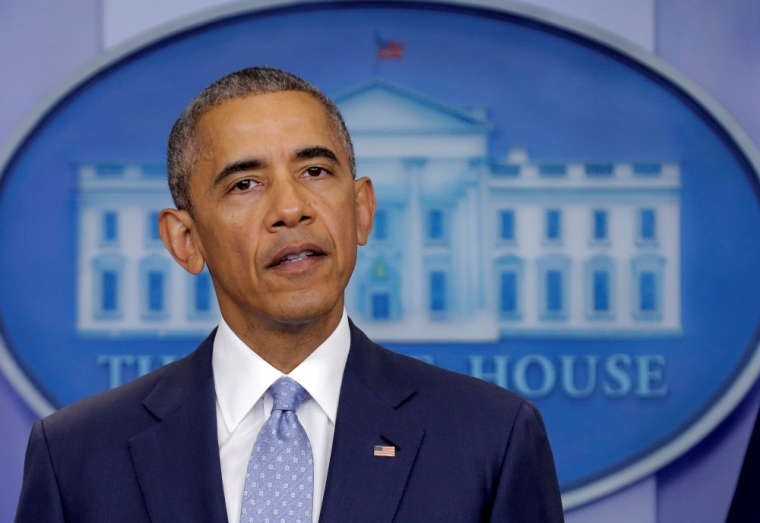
<point x="302" y="310"/>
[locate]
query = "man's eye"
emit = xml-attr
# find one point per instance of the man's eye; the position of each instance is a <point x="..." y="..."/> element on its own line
<point x="315" y="171"/>
<point x="243" y="185"/>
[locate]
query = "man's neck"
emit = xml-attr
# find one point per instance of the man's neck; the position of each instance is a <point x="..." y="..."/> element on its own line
<point x="281" y="344"/>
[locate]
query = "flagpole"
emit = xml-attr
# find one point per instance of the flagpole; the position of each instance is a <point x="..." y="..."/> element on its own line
<point x="376" y="66"/>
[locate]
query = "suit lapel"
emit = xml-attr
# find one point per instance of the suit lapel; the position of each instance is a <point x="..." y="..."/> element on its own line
<point x="177" y="459"/>
<point x="361" y="486"/>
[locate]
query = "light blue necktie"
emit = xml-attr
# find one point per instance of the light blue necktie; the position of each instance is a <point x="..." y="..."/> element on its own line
<point x="279" y="483"/>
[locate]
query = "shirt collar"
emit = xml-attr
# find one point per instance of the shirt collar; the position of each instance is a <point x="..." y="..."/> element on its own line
<point x="241" y="377"/>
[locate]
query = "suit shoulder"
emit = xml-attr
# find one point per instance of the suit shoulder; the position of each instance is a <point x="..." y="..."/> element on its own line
<point x="119" y="408"/>
<point x="445" y="383"/>
<point x="449" y="403"/>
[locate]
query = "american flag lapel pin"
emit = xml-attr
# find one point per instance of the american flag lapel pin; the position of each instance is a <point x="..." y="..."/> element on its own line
<point x="385" y="451"/>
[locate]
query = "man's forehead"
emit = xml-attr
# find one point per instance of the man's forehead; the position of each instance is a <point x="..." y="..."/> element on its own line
<point x="267" y="106"/>
<point x="298" y="113"/>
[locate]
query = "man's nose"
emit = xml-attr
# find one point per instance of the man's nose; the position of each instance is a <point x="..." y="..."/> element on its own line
<point x="289" y="204"/>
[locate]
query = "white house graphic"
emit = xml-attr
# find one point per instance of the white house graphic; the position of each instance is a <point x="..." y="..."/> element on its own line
<point x="128" y="284"/>
<point x="465" y="247"/>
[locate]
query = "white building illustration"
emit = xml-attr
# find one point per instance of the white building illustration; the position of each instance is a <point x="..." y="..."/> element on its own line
<point x="128" y="283"/>
<point x="465" y="247"/>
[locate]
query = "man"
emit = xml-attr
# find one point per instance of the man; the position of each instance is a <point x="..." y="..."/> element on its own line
<point x="287" y="412"/>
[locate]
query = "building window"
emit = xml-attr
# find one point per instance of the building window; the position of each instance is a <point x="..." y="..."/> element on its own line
<point x="154" y="282"/>
<point x="438" y="291"/>
<point x="439" y="285"/>
<point x="505" y="169"/>
<point x="110" y="289"/>
<point x="601" y="170"/>
<point x="381" y="224"/>
<point x="554" y="291"/>
<point x="600" y="225"/>
<point x="600" y="278"/>
<point x="648" y="225"/>
<point x="647" y="286"/>
<point x="110" y="227"/>
<point x="647" y="169"/>
<point x="553" y="224"/>
<point x="155" y="291"/>
<point x="200" y="304"/>
<point x="601" y="291"/>
<point x="203" y="292"/>
<point x="647" y="291"/>
<point x="107" y="279"/>
<point x="507" y="223"/>
<point x="554" y="287"/>
<point x="153" y="233"/>
<point x="508" y="271"/>
<point x="435" y="225"/>
<point x="508" y="294"/>
<point x="381" y="306"/>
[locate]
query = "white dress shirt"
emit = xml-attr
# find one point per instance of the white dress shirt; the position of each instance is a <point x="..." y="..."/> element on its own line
<point x="243" y="404"/>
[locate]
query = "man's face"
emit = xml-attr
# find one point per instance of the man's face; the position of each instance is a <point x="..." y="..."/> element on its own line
<point x="278" y="216"/>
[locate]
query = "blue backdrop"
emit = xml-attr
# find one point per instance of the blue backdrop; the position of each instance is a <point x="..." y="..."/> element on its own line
<point x="563" y="96"/>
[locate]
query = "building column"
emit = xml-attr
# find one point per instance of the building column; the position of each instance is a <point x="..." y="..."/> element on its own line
<point x="413" y="291"/>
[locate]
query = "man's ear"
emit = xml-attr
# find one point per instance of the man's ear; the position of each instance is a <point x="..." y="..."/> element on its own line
<point x="177" y="230"/>
<point x="365" y="209"/>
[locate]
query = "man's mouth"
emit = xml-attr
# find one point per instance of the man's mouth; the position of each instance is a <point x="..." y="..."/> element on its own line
<point x="294" y="254"/>
<point x="290" y="258"/>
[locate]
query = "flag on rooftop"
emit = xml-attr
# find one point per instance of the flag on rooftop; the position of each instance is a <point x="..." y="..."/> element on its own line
<point x="388" y="49"/>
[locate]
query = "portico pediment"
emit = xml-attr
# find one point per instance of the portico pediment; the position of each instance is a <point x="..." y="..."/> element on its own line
<point x="381" y="107"/>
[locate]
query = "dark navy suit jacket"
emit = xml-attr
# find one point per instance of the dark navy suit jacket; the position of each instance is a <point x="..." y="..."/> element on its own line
<point x="467" y="451"/>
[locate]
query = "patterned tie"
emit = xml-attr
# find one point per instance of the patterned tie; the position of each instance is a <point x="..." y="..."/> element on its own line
<point x="280" y="478"/>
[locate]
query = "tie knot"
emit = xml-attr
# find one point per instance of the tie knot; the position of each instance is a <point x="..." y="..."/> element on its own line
<point x="287" y="394"/>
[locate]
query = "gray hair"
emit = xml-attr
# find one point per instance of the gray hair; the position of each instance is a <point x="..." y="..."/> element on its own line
<point x="183" y="145"/>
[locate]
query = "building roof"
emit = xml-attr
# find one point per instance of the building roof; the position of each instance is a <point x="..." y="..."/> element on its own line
<point x="382" y="107"/>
